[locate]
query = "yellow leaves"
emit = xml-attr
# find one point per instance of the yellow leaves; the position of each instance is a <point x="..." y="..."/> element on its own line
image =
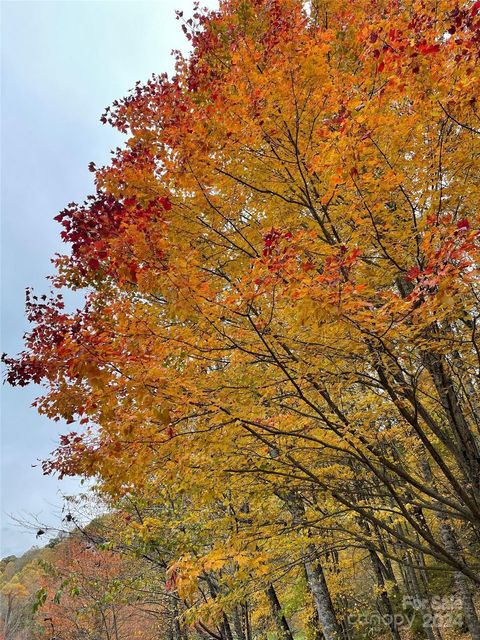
<point x="183" y="576"/>
<point x="393" y="179"/>
<point x="271" y="336"/>
<point x="162" y="414"/>
<point x="148" y="528"/>
<point x="214" y="561"/>
<point x="15" y="589"/>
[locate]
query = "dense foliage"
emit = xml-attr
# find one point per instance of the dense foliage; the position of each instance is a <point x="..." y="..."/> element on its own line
<point x="275" y="372"/>
<point x="77" y="589"/>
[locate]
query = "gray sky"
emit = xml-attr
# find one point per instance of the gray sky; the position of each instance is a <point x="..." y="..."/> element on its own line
<point x="62" y="63"/>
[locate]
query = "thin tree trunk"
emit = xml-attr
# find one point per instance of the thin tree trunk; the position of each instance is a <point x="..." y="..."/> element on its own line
<point x="227" y="630"/>
<point x="315" y="575"/>
<point x="468" y="450"/>
<point x="176" y="621"/>
<point x="413" y="587"/>
<point x="321" y="595"/>
<point x="246" y="617"/>
<point x="385" y="600"/>
<point x="452" y="546"/>
<point x="237" y="624"/>
<point x="461" y="582"/>
<point x="379" y="569"/>
<point x="278" y="616"/>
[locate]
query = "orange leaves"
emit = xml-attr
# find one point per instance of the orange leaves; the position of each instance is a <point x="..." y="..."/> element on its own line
<point x="291" y="226"/>
<point x="277" y="122"/>
<point x="79" y="580"/>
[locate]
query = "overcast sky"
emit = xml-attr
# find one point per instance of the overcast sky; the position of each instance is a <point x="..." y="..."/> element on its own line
<point x="63" y="62"/>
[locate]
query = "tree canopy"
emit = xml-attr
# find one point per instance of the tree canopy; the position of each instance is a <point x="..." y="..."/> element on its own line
<point x="274" y="376"/>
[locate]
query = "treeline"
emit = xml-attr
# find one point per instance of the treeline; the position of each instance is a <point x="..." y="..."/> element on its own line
<point x="116" y="579"/>
<point x="75" y="588"/>
<point x="274" y="376"/>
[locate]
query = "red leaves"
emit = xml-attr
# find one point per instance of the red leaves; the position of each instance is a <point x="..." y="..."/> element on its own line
<point x="428" y="49"/>
<point x="272" y="239"/>
<point x="337" y="267"/>
<point x="70" y="438"/>
<point x="455" y="251"/>
<point x="463" y="225"/>
<point x="97" y="230"/>
<point x="88" y="227"/>
<point x="276" y="251"/>
<point x="23" y="370"/>
<point x="278" y="254"/>
<point x="352" y="257"/>
<point x="307" y="266"/>
<point x="171" y="579"/>
<point x="166" y="204"/>
<point x="413" y="273"/>
<point x="465" y="23"/>
<point x="69" y="457"/>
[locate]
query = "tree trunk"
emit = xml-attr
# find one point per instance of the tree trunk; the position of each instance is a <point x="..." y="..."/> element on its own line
<point x="237" y="623"/>
<point x="461" y="582"/>
<point x="246" y="618"/>
<point x="385" y="600"/>
<point x="321" y="595"/>
<point x="315" y="575"/>
<point x="379" y="570"/>
<point x="452" y="546"/>
<point x="177" y="629"/>
<point x="278" y="616"/>
<point x="467" y="446"/>
<point x="226" y="629"/>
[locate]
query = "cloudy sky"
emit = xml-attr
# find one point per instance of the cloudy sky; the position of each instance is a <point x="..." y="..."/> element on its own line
<point x="62" y="63"/>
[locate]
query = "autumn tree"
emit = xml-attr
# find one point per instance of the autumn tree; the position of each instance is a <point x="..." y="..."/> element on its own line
<point x="90" y="592"/>
<point x="281" y="268"/>
<point x="19" y="581"/>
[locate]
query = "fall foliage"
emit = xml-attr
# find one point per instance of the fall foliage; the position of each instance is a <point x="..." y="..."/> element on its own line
<point x="76" y="588"/>
<point x="274" y="377"/>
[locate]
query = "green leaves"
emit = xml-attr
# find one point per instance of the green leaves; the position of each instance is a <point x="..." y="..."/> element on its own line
<point x="40" y="599"/>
